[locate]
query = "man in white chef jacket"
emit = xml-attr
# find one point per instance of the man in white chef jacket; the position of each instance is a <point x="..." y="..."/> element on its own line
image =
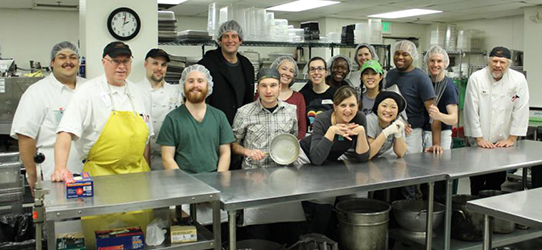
<point x="496" y="110"/>
<point x="165" y="97"/>
<point x="40" y="109"/>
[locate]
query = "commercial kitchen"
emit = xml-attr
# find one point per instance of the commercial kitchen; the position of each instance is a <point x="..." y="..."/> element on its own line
<point x="285" y="194"/>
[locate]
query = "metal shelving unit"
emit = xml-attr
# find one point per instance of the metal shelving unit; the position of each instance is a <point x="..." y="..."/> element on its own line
<point x="309" y="44"/>
<point x="132" y="192"/>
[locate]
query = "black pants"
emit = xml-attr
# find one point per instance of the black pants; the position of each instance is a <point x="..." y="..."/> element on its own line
<point x="320" y="219"/>
<point x="487" y="182"/>
<point x="536" y="176"/>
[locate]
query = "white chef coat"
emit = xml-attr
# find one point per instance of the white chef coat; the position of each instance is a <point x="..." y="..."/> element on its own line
<point x="496" y="109"/>
<point x="163" y="100"/>
<point x="39" y="112"/>
<point x="91" y="106"/>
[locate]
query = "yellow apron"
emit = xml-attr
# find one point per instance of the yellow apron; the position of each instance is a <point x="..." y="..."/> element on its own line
<point x="118" y="150"/>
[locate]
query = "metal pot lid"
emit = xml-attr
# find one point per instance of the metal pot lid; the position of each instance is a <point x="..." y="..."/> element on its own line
<point x="284" y="149"/>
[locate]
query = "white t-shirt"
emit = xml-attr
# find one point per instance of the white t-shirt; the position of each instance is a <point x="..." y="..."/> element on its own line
<point x="39" y="112"/>
<point x="91" y="107"/>
<point x="163" y="101"/>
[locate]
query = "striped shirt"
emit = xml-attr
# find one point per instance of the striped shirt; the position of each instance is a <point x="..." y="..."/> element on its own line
<point x="255" y="126"/>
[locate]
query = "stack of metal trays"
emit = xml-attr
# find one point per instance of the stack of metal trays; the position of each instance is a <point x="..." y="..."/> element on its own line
<point x="193" y="35"/>
<point x="175" y="68"/>
<point x="254" y="58"/>
<point x="11" y="187"/>
<point x="167" y="26"/>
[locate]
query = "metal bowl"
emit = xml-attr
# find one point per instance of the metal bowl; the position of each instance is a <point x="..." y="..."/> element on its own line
<point x="284" y="149"/>
<point x="412" y="214"/>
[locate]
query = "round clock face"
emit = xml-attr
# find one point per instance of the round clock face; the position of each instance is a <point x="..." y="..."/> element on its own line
<point x="123" y="24"/>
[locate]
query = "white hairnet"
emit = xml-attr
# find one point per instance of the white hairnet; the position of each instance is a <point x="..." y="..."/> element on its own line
<point x="437" y="50"/>
<point x="62" y="46"/>
<point x="199" y="68"/>
<point x="333" y="59"/>
<point x="231" y="25"/>
<point x="279" y="60"/>
<point x="409" y="47"/>
<point x="371" y="49"/>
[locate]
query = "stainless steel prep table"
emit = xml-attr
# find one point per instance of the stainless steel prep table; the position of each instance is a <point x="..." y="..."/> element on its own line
<point x="255" y="187"/>
<point x="520" y="207"/>
<point x="131" y="192"/>
<point x="473" y="161"/>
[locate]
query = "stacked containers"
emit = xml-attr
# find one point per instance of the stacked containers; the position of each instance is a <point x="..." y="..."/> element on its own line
<point x="375" y="28"/>
<point x="212" y="20"/>
<point x="361" y="33"/>
<point x="450" y="44"/>
<point x="464" y="38"/>
<point x="438" y="34"/>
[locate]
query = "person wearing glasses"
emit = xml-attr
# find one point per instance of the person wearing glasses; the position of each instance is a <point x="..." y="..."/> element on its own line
<point x="108" y="119"/>
<point x="319" y="96"/>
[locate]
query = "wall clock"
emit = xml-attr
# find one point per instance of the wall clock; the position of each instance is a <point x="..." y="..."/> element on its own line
<point x="123" y="24"/>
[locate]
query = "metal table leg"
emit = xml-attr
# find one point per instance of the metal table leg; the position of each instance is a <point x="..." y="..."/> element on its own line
<point x="429" y="228"/>
<point x="524" y="172"/>
<point x="216" y="224"/>
<point x="448" y="214"/>
<point x="488" y="232"/>
<point x="51" y="239"/>
<point x="194" y="212"/>
<point x="233" y="232"/>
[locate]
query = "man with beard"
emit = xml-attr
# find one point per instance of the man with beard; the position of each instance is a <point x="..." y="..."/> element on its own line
<point x="417" y="89"/>
<point x="164" y="97"/>
<point x="196" y="137"/>
<point x="40" y="110"/>
<point x="496" y="110"/>
<point x="257" y="123"/>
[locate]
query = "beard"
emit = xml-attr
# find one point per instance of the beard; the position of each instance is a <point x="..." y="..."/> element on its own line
<point x="497" y="75"/>
<point x="157" y="79"/>
<point x="196" y="97"/>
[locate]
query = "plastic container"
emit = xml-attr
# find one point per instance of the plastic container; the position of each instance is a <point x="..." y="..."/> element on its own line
<point x="450" y="43"/>
<point x="296" y="35"/>
<point x="361" y="33"/>
<point x="375" y="29"/>
<point x="438" y="35"/>
<point x="464" y="38"/>
<point x="334" y="37"/>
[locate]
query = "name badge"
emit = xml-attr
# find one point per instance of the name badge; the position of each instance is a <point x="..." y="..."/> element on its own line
<point x="327" y="101"/>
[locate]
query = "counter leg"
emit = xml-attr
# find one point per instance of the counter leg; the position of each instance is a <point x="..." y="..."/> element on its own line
<point x="524" y="172"/>
<point x="429" y="228"/>
<point x="233" y="232"/>
<point x="194" y="212"/>
<point x="216" y="224"/>
<point x="51" y="238"/>
<point x="448" y="214"/>
<point x="488" y="232"/>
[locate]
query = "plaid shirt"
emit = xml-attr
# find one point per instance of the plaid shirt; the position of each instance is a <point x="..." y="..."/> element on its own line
<point x="254" y="127"/>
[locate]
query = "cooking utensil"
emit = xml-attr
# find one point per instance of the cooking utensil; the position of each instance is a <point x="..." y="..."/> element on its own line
<point x="412" y="214"/>
<point x="284" y="149"/>
<point x="499" y="226"/>
<point x="466" y="225"/>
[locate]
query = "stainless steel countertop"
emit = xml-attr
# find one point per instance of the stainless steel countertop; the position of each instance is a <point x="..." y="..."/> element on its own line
<point x="469" y="161"/>
<point x="248" y="188"/>
<point x="128" y="192"/>
<point x="521" y="207"/>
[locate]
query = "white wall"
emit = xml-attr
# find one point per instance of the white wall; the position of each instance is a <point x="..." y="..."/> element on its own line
<point x="533" y="53"/>
<point x="30" y="34"/>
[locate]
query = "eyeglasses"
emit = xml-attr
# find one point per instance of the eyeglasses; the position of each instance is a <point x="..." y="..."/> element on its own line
<point x="116" y="63"/>
<point x="320" y="69"/>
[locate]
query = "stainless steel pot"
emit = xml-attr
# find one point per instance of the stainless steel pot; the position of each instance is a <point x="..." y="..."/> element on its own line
<point x="255" y="245"/>
<point x="412" y="214"/>
<point x="500" y="226"/>
<point x="466" y="225"/>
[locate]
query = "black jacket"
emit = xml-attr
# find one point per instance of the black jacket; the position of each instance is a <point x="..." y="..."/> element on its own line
<point x="224" y="94"/>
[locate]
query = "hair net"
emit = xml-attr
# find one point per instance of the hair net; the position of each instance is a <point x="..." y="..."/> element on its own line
<point x="231" y="25"/>
<point x="409" y="47"/>
<point x="279" y="60"/>
<point x="199" y="68"/>
<point x="348" y="62"/>
<point x="371" y="49"/>
<point x="62" y="46"/>
<point x="437" y="50"/>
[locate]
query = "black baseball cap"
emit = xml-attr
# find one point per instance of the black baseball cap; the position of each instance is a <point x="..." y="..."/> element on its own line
<point x="385" y="94"/>
<point x="115" y="49"/>
<point x="154" y="53"/>
<point x="500" y="51"/>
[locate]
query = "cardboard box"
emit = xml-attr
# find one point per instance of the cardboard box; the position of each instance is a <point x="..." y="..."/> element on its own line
<point x="70" y="241"/>
<point x="123" y="238"/>
<point x="80" y="186"/>
<point x="183" y="234"/>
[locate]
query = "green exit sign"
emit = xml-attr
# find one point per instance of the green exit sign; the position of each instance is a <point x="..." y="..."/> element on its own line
<point x="386" y="28"/>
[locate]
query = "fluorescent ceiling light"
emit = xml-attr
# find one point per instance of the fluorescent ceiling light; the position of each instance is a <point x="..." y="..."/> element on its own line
<point x="302" y="5"/>
<point x="172" y="2"/>
<point x="405" y="13"/>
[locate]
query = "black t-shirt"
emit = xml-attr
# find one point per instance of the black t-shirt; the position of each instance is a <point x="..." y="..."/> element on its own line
<point x="238" y="78"/>
<point x="317" y="103"/>
<point x="450" y="96"/>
